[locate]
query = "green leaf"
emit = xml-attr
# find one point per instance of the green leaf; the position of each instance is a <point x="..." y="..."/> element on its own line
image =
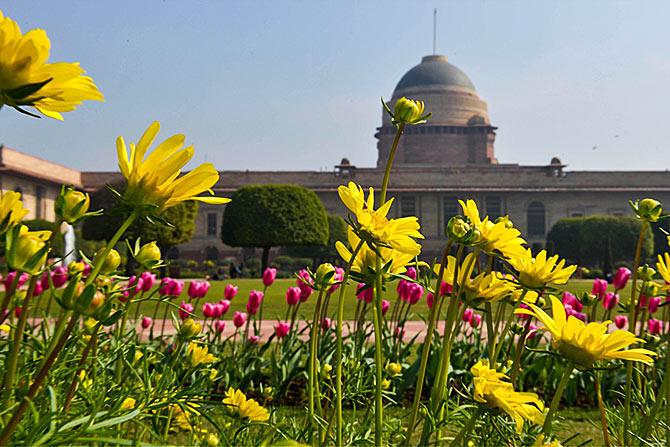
<point x="26" y="90"/>
<point x="114" y="421"/>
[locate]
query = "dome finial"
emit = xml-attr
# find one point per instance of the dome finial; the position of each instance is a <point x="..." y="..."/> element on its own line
<point x="434" y="31"/>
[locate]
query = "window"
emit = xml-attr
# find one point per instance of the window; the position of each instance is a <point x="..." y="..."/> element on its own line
<point x="494" y="207"/>
<point x="407" y="206"/>
<point x="536" y="219"/>
<point x="39" y="202"/>
<point x="212" y="254"/>
<point x="450" y="208"/>
<point x="211" y="224"/>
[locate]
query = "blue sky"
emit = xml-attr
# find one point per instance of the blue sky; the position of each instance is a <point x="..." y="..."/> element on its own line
<point x="296" y="85"/>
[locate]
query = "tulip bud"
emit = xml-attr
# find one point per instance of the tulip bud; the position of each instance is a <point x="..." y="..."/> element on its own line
<point x="148" y="281"/>
<point x="189" y="328"/>
<point x="467" y="314"/>
<point x="225" y="305"/>
<point x="386" y="304"/>
<point x="430" y="300"/>
<point x="621" y="278"/>
<point x="71" y="205"/>
<point x="146" y="322"/>
<point x="459" y="229"/>
<point x="239" y="318"/>
<point x="149" y="255"/>
<point x="282" y="330"/>
<point x="111" y="262"/>
<point x="185" y="310"/>
<point x="655" y="326"/>
<point x="269" y="276"/>
<point x="219" y="326"/>
<point x="230" y="292"/>
<point x="365" y="293"/>
<point x="620" y="321"/>
<point x="293" y="296"/>
<point x="254" y="339"/>
<point x="475" y="320"/>
<point x="649" y="210"/>
<point x="611" y="300"/>
<point x="208" y="310"/>
<point x="599" y="288"/>
<point x="326" y="324"/>
<point x="411" y="272"/>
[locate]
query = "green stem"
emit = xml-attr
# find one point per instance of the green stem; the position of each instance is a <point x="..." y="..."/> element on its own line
<point x="313" y="344"/>
<point x="632" y="318"/>
<point x="503" y="334"/>
<point x="427" y="341"/>
<point x="601" y="407"/>
<point x="389" y="162"/>
<point x="546" y="428"/>
<point x="338" y="354"/>
<point x="13" y="356"/>
<point x="467" y="428"/>
<point x="379" y="360"/>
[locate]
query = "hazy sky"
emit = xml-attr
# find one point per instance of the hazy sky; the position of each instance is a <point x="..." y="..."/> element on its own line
<point x="296" y="85"/>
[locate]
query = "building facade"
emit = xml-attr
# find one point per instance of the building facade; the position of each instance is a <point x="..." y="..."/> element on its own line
<point x="449" y="158"/>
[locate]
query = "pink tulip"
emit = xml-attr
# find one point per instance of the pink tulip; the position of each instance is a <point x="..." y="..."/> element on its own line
<point x="569" y="298"/>
<point x="123" y="296"/>
<point x="87" y="269"/>
<point x="230" y="292"/>
<point x="403" y="289"/>
<point x="653" y="304"/>
<point x="239" y="318"/>
<point x="430" y="299"/>
<point x="59" y="276"/>
<point x="365" y="293"/>
<point x="282" y="329"/>
<point x="621" y="278"/>
<point x="580" y="316"/>
<point x="643" y="301"/>
<point x="337" y="277"/>
<point x="18" y="311"/>
<point x="11" y="276"/>
<point x="475" y="320"/>
<point x="599" y="288"/>
<point x="305" y="289"/>
<point x="219" y="326"/>
<point x="523" y="316"/>
<point x="532" y="331"/>
<point x="655" y="326"/>
<point x="146" y="322"/>
<point x="292" y="296"/>
<point x="185" y="310"/>
<point x="467" y="314"/>
<point x="254" y="339"/>
<point x="134" y="285"/>
<point x="400" y="332"/>
<point x="411" y="272"/>
<point x="224" y="305"/>
<point x="37" y="291"/>
<point x="385" y="306"/>
<point x="611" y="300"/>
<point x="208" y="310"/>
<point x="269" y="276"/>
<point x="445" y="289"/>
<point x="198" y="289"/>
<point x="415" y="293"/>
<point x="620" y="321"/>
<point x="326" y="324"/>
<point x="254" y="302"/>
<point x="148" y="281"/>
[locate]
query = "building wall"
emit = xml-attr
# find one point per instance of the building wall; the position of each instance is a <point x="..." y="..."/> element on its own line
<point x="38" y="196"/>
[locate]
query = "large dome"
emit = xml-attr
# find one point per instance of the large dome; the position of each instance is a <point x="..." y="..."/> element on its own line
<point x="434" y="71"/>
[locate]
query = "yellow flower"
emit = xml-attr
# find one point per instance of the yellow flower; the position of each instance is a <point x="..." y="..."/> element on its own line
<point x="72" y="205"/>
<point x="539" y="271"/>
<point x="663" y="267"/>
<point x="397" y="233"/>
<point x="181" y="418"/>
<point x="408" y="111"/>
<point x="26" y="79"/>
<point x="11" y="210"/>
<point x="128" y="404"/>
<point x="4" y="328"/>
<point x="245" y="408"/>
<point x="489" y="388"/>
<point x="148" y="255"/>
<point x="199" y="355"/>
<point x="27" y="250"/>
<point x="493" y="237"/>
<point x="153" y="178"/>
<point x="584" y="344"/>
<point x="366" y="259"/>
<point x="490" y="287"/>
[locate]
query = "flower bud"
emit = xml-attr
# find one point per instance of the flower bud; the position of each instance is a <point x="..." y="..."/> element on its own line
<point x="230" y="292"/>
<point x="506" y="220"/>
<point x="239" y="318"/>
<point x="599" y="288"/>
<point x="475" y="320"/>
<point x="189" y="328"/>
<point x="517" y="328"/>
<point x="467" y="314"/>
<point x="27" y="250"/>
<point x="649" y="210"/>
<point x="71" y="205"/>
<point x="611" y="301"/>
<point x="282" y="330"/>
<point x="219" y="326"/>
<point x="621" y="278"/>
<point x="408" y="111"/>
<point x="185" y="310"/>
<point x="393" y="369"/>
<point x="269" y="276"/>
<point x="127" y="404"/>
<point x="253" y="339"/>
<point x="386" y="304"/>
<point x="324" y="274"/>
<point x="293" y="296"/>
<point x="148" y="281"/>
<point x="655" y="326"/>
<point x="645" y="273"/>
<point x="146" y="322"/>
<point x="149" y="255"/>
<point x="386" y="384"/>
<point x="111" y="262"/>
<point x="365" y="293"/>
<point x="326" y="369"/>
<point x="620" y="321"/>
<point x="459" y="229"/>
<point x="208" y="310"/>
<point x="649" y="288"/>
<point x="326" y="324"/>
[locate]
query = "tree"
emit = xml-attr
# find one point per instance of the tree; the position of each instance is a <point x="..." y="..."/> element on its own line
<point x="266" y="216"/>
<point x="100" y="228"/>
<point x="337" y="231"/>
<point x="599" y="240"/>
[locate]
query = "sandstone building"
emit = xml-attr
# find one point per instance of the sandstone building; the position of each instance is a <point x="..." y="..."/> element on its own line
<point x="449" y="158"/>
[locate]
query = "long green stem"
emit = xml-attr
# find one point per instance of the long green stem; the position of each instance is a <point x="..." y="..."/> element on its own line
<point x="546" y="428"/>
<point x="389" y="162"/>
<point x="467" y="428"/>
<point x="379" y="360"/>
<point x="601" y="408"/>
<point x="338" y="354"/>
<point x="632" y="317"/>
<point x="13" y="357"/>
<point x="427" y="341"/>
<point x="313" y="344"/>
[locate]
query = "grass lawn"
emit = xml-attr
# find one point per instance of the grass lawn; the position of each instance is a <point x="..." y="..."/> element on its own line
<point x="275" y="306"/>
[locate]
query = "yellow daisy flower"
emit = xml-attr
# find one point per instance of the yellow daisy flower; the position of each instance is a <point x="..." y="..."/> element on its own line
<point x="11" y="210"/>
<point x="199" y="355"/>
<point x="153" y="178"/>
<point x="584" y="344"/>
<point x="490" y="287"/>
<point x="26" y="79"/>
<point x="246" y="408"/>
<point x="539" y="271"/>
<point x="366" y="259"/>
<point x="397" y="233"/>
<point x="663" y="267"/>
<point x="493" y="237"/>
<point x="128" y="404"/>
<point x="489" y="388"/>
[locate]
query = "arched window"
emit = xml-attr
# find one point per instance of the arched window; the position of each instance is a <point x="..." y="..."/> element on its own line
<point x="536" y="219"/>
<point x="212" y="253"/>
